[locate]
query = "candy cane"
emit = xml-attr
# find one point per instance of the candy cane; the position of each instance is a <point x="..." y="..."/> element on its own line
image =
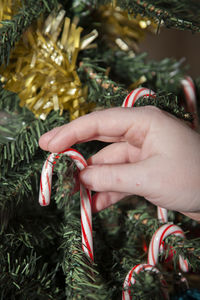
<point x="130" y="280"/>
<point x="131" y="98"/>
<point x="86" y="211"/>
<point x="129" y="102"/>
<point x="190" y="97"/>
<point x="162" y="214"/>
<point x="156" y="242"/>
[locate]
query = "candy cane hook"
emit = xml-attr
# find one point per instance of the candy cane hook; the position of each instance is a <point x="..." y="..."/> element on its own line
<point x="162" y="214"/>
<point x="190" y="97"/>
<point x="133" y="96"/>
<point x="156" y="244"/>
<point x="130" y="280"/>
<point x="86" y="210"/>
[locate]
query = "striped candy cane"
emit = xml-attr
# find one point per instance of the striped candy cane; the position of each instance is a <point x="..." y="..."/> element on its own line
<point x="157" y="240"/>
<point x="190" y="97"/>
<point x="130" y="280"/>
<point x="162" y="214"/>
<point x="86" y="211"/>
<point x="129" y="101"/>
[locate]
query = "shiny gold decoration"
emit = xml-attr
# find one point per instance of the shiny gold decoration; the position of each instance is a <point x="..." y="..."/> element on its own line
<point x="42" y="69"/>
<point x="122" y="29"/>
<point x="8" y="8"/>
<point x="137" y="83"/>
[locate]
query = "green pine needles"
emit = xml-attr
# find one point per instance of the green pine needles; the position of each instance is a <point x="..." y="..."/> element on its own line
<point x="12" y="29"/>
<point x="173" y="14"/>
<point x="40" y="247"/>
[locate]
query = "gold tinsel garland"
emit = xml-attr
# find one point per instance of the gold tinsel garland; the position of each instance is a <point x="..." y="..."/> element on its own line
<point x="121" y="29"/>
<point x="42" y="69"/>
<point x="8" y="8"/>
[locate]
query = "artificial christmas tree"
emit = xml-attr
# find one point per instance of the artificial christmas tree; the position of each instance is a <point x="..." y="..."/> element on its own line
<point x="58" y="62"/>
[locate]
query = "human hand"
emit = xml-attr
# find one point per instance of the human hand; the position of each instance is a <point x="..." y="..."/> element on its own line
<point x="152" y="154"/>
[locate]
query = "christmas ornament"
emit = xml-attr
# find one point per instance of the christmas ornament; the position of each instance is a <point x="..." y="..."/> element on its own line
<point x="86" y="211"/>
<point x="121" y="29"/>
<point x="42" y="69"/>
<point x="130" y="280"/>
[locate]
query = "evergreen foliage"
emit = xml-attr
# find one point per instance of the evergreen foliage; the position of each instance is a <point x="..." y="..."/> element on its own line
<point x="174" y="14"/>
<point x="12" y="30"/>
<point x="40" y="249"/>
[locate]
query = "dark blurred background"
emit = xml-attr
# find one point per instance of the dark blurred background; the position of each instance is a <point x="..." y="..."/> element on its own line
<point x="176" y="44"/>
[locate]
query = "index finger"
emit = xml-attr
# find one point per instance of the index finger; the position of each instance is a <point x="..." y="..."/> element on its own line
<point x="111" y="124"/>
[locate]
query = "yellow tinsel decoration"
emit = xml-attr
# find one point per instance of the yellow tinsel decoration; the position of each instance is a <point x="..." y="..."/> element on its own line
<point x="42" y="69"/>
<point x="121" y="29"/>
<point x="8" y="8"/>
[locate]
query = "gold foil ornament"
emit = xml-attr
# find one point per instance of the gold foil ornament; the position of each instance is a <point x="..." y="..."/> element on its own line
<point x="42" y="69"/>
<point x="121" y="29"/>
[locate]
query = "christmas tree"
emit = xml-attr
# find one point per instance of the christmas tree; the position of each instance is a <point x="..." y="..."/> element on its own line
<point x="60" y="60"/>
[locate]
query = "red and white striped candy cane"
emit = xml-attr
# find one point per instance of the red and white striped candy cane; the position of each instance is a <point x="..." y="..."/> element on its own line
<point x="129" y="101"/>
<point x="162" y="214"/>
<point x="130" y="280"/>
<point x="86" y="211"/>
<point x="156" y="244"/>
<point x="190" y="97"/>
<point x="135" y="95"/>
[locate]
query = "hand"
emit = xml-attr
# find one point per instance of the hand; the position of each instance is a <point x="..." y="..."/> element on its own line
<point x="152" y="154"/>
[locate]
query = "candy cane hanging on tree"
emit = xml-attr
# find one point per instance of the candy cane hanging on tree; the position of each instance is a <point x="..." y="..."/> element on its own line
<point x="133" y="96"/>
<point x="190" y="98"/>
<point x="156" y="244"/>
<point x="162" y="214"/>
<point x="86" y="211"/>
<point x="130" y="280"/>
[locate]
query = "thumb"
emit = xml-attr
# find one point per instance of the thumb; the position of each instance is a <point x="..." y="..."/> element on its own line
<point x="134" y="178"/>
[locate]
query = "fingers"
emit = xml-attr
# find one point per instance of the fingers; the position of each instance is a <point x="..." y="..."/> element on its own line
<point x="141" y="178"/>
<point x="105" y="199"/>
<point x="116" y="153"/>
<point x="111" y="124"/>
<point x="45" y="138"/>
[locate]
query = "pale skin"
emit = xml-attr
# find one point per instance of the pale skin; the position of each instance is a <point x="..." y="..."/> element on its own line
<point x="152" y="154"/>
